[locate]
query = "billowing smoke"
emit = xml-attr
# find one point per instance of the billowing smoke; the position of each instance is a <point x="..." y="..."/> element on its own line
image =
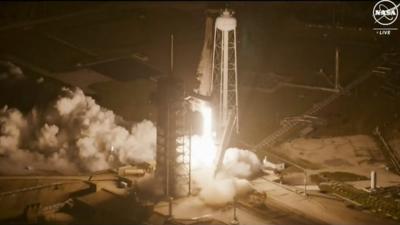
<point x="74" y="135"/>
<point x="230" y="182"/>
<point x="240" y="163"/>
<point x="237" y="164"/>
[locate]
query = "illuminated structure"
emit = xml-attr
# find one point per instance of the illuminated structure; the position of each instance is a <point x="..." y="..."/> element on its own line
<point x="217" y="70"/>
<point x="224" y="71"/>
<point x="217" y="74"/>
<point x="219" y="86"/>
<point x="225" y="81"/>
<point x="172" y="164"/>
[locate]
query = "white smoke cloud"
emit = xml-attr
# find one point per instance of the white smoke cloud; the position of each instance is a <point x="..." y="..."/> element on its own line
<point x="237" y="164"/>
<point x="230" y="182"/>
<point x="74" y="135"/>
<point x="240" y="163"/>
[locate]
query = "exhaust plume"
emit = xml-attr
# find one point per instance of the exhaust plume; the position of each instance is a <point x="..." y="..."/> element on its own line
<point x="74" y="135"/>
<point x="230" y="182"/>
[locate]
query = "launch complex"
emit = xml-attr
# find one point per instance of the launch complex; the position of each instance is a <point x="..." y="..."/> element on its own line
<point x="217" y="101"/>
<point x="292" y="118"/>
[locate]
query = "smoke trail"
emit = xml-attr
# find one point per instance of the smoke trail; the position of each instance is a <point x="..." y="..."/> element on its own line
<point x="73" y="135"/>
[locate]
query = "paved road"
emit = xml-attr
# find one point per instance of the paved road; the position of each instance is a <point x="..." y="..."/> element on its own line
<point x="192" y="208"/>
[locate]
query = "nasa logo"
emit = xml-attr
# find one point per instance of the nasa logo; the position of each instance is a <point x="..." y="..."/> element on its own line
<point x="385" y="12"/>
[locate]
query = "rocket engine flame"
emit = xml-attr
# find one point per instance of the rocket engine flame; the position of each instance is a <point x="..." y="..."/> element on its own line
<point x="203" y="146"/>
<point x="237" y="164"/>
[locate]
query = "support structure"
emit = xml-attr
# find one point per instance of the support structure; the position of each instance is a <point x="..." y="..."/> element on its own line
<point x="337" y="69"/>
<point x="224" y="71"/>
<point x="373" y="181"/>
<point x="336" y="83"/>
<point x="225" y="82"/>
<point x="172" y="169"/>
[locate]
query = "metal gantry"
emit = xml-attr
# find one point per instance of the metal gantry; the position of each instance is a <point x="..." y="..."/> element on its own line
<point x="225" y="82"/>
<point x="172" y="161"/>
<point x="224" y="71"/>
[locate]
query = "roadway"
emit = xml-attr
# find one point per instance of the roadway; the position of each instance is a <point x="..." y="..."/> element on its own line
<point x="191" y="208"/>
